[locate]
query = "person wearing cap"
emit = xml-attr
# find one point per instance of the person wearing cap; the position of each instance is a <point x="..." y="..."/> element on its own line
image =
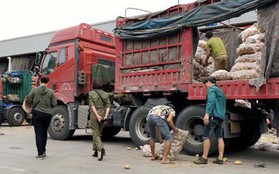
<point x="213" y="120"/>
<point x="216" y="48"/>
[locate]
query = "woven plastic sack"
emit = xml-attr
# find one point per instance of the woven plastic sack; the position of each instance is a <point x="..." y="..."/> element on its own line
<point x="246" y="66"/>
<point x="244" y="74"/>
<point x="266" y="146"/>
<point x="245" y="48"/>
<point x="202" y="44"/>
<point x="222" y="75"/>
<point x="255" y="38"/>
<point x="243" y="104"/>
<point x="200" y="72"/>
<point x="146" y="151"/>
<point x="253" y="30"/>
<point x="256" y="57"/>
<point x="176" y="146"/>
<point x="26" y="106"/>
<point x="258" y="46"/>
<point x="199" y="56"/>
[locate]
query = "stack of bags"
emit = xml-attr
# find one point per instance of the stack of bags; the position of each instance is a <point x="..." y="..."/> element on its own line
<point x="247" y="65"/>
<point x="201" y="70"/>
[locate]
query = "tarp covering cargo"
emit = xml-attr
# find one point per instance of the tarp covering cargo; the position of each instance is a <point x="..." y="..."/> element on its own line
<point x="104" y="73"/>
<point x="268" y="20"/>
<point x="199" y="16"/>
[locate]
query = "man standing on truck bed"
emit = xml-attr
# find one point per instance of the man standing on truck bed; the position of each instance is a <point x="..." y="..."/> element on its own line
<point x="213" y="119"/>
<point x="156" y="118"/>
<point x="216" y="48"/>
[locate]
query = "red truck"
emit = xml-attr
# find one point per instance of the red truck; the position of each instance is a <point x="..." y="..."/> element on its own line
<point x="152" y="71"/>
<point x="159" y="69"/>
<point x="68" y="62"/>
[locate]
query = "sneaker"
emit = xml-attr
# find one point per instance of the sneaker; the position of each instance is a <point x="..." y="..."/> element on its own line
<point x="40" y="157"/>
<point x="201" y="160"/>
<point x="217" y="161"/>
<point x="44" y="154"/>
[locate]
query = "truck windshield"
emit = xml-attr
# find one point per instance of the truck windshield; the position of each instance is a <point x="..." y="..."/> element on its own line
<point x="48" y="64"/>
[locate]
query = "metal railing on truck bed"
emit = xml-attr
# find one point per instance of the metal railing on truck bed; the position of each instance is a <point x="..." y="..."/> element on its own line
<point x="238" y="89"/>
<point x="156" y="64"/>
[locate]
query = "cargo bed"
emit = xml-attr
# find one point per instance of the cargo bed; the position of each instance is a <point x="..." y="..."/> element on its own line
<point x="236" y="89"/>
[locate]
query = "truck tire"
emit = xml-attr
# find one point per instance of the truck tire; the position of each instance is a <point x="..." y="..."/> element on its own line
<point x="191" y="119"/>
<point x="247" y="138"/>
<point x="59" y="125"/>
<point x="250" y="134"/>
<point x="15" y="115"/>
<point x="109" y="132"/>
<point x="139" y="131"/>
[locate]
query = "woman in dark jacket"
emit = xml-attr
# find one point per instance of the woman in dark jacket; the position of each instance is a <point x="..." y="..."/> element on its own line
<point x="42" y="100"/>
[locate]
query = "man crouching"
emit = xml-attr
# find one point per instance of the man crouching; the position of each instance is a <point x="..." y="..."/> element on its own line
<point x="156" y="119"/>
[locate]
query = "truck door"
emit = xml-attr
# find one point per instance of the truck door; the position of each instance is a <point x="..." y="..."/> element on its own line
<point x="59" y="65"/>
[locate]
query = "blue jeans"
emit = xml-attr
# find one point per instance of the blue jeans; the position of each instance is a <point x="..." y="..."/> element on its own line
<point x="156" y="121"/>
<point x="215" y="124"/>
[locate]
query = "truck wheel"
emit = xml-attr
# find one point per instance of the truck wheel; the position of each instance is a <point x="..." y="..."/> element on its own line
<point x="59" y="125"/>
<point x="109" y="132"/>
<point x="250" y="133"/>
<point x="15" y="115"/>
<point x="139" y="131"/>
<point x="191" y="119"/>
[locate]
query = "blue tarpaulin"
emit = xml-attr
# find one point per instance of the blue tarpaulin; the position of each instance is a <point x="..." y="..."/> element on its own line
<point x="199" y="16"/>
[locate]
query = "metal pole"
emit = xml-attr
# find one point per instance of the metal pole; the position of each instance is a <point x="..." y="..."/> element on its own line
<point x="9" y="63"/>
<point x="131" y="8"/>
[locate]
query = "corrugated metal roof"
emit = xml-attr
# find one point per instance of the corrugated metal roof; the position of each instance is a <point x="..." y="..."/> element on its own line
<point x="25" y="45"/>
<point x="39" y="42"/>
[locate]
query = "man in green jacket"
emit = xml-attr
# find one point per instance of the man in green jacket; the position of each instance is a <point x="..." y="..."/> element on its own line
<point x="213" y="119"/>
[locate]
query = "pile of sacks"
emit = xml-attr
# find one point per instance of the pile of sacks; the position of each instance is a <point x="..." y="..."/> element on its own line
<point x="247" y="65"/>
<point x="201" y="70"/>
<point x="176" y="146"/>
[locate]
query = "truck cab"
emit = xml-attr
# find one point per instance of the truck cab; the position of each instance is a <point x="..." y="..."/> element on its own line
<point x="69" y="60"/>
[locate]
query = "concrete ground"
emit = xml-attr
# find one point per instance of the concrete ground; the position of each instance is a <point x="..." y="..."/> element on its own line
<point x="18" y="151"/>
